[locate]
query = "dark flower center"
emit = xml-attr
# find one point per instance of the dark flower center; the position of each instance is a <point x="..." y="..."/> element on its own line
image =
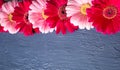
<point x="62" y="12"/>
<point x="110" y="12"/>
<point x="26" y="18"/>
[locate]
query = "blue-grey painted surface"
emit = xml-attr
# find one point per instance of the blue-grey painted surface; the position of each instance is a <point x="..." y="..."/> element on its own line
<point x="81" y="50"/>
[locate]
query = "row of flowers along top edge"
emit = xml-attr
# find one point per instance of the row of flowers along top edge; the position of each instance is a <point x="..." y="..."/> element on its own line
<point x="35" y="16"/>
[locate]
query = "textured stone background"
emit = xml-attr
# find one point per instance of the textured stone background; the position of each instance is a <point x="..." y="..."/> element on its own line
<point x="82" y="50"/>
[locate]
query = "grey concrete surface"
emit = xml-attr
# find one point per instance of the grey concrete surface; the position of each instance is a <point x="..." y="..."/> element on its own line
<point x="81" y="50"/>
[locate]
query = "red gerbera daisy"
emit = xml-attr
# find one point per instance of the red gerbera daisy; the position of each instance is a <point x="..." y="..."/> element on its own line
<point x="105" y="15"/>
<point x="56" y="13"/>
<point x="1" y="28"/>
<point x="1" y="2"/>
<point x="21" y="15"/>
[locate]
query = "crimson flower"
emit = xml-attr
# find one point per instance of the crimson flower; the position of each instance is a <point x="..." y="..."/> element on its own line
<point x="55" y="10"/>
<point x="21" y="15"/>
<point x="1" y="2"/>
<point x="105" y="15"/>
<point x="1" y="28"/>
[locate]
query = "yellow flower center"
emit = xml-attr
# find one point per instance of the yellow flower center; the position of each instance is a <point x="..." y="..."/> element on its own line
<point x="84" y="7"/>
<point x="43" y="15"/>
<point x="10" y="17"/>
<point x="110" y="12"/>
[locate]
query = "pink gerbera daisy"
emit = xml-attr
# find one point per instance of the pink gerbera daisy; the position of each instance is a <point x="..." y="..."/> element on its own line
<point x="105" y="15"/>
<point x="6" y="17"/>
<point x="37" y="16"/>
<point x="21" y="15"/>
<point x="76" y="9"/>
<point x="56" y="13"/>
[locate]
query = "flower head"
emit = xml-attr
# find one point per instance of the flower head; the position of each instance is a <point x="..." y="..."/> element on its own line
<point x="76" y="9"/>
<point x="6" y="17"/>
<point x="20" y="15"/>
<point x="1" y="2"/>
<point x="105" y="15"/>
<point x="37" y="16"/>
<point x="55" y="10"/>
<point x="1" y="28"/>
